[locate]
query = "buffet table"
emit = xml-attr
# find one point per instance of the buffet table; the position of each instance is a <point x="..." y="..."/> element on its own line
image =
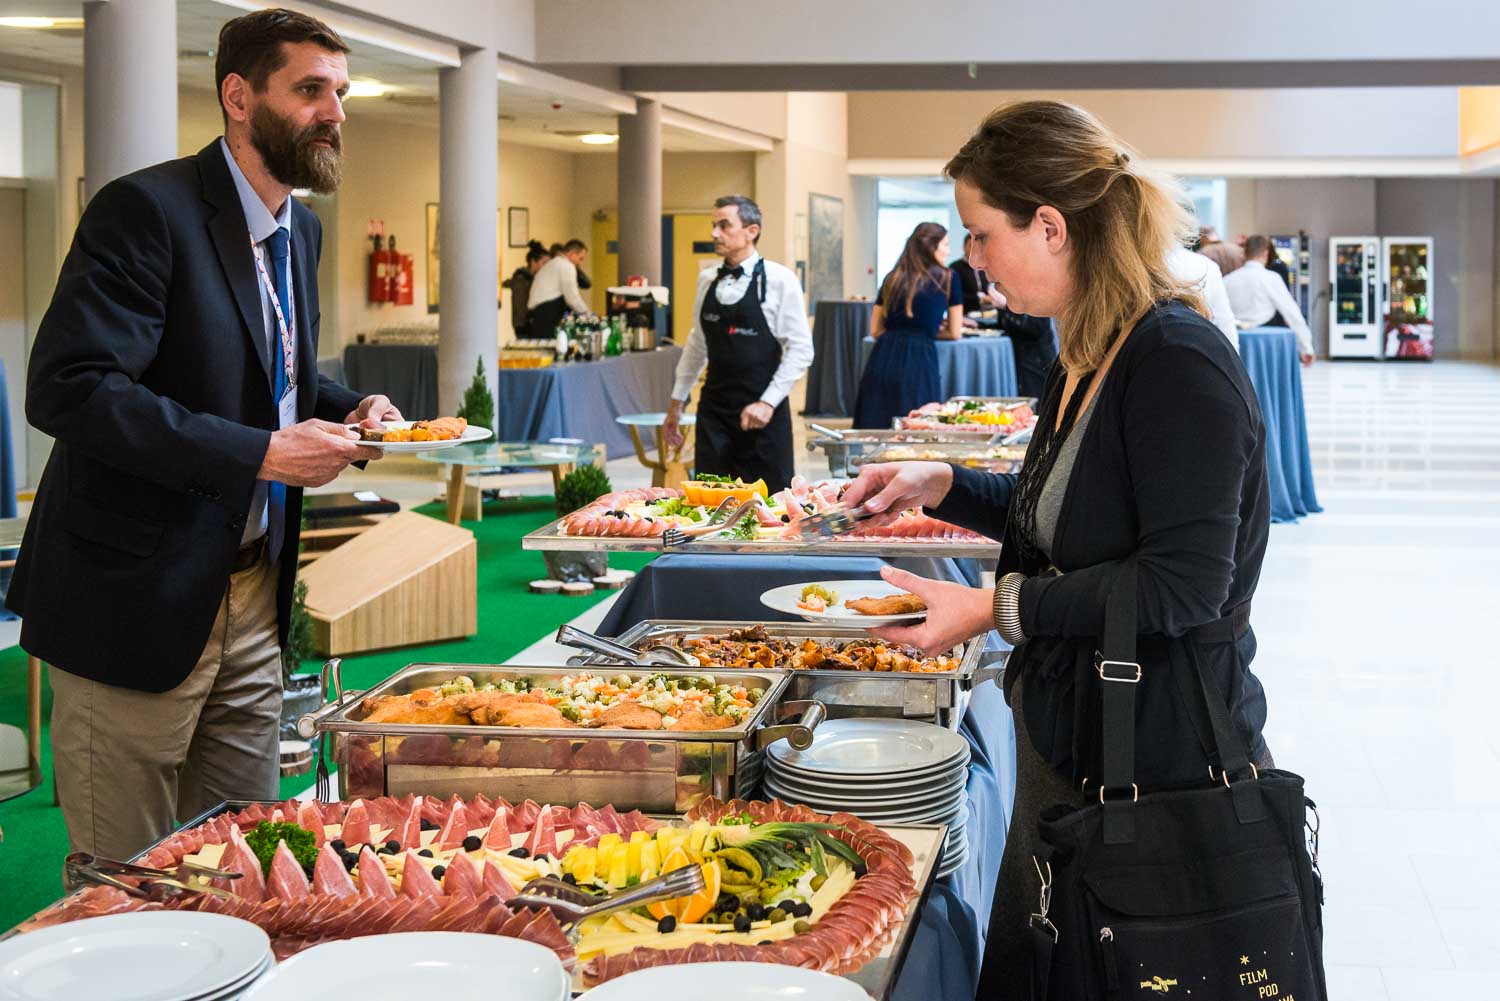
<point x="582" y="399"/>
<point x="974" y="366"/>
<point x="948" y="945"/>
<point x="840" y="326"/>
<point x="1270" y="357"/>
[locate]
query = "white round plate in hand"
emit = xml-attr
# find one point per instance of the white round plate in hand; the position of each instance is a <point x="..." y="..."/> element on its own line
<point x="471" y="434"/>
<point x="784" y="599"/>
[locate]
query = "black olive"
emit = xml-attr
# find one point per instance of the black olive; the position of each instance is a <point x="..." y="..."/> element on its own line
<point x="803" y="910"/>
<point x="728" y="902"/>
<point x="785" y="519"/>
<point x="667" y="924"/>
<point x="472" y="843"/>
<point x="350" y="861"/>
<point x="764" y="941"/>
<point x="428" y="825"/>
<point x="570" y="879"/>
<point x="519" y="852"/>
<point x="742" y="924"/>
<point x="307" y="870"/>
<point x="438" y="870"/>
<point x="788" y="905"/>
<point x="392" y="846"/>
<point x="860" y="870"/>
<point x="757" y="912"/>
<point x="338" y="845"/>
<point x="543" y="857"/>
<point x="425" y="853"/>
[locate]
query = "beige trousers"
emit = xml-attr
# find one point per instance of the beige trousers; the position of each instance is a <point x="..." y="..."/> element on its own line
<point x="131" y="765"/>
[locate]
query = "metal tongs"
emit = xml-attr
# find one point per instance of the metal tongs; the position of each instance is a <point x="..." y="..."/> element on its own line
<point x="573" y="905"/>
<point x="835" y="521"/>
<point x="725" y="516"/>
<point x="659" y="655"/>
<point x="80" y="868"/>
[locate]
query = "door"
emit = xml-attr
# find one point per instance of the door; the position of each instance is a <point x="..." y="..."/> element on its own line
<point x="1354" y="299"/>
<point x="603" y="263"/>
<point x="13" y="320"/>
<point x="692" y="251"/>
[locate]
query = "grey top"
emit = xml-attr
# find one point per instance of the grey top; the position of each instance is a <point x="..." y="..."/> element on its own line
<point x="1049" y="504"/>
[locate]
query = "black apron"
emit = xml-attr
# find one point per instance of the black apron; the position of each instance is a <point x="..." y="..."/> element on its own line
<point x="543" y="318"/>
<point x="742" y="358"/>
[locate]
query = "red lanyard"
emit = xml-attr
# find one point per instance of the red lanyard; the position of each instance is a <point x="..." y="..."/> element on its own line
<point x="288" y="343"/>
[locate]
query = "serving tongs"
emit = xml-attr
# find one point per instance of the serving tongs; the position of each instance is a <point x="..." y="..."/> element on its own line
<point x="81" y="868"/>
<point x="658" y="655"/>
<point x="572" y="905"/>
<point x="835" y="521"/>
<point x="724" y="517"/>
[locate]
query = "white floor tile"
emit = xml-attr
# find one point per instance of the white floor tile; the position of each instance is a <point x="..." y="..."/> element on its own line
<point x="1355" y="983"/>
<point x="1436" y="985"/>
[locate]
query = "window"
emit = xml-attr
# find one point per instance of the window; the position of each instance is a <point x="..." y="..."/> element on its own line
<point x="1210" y="198"/>
<point x="903" y="203"/>
<point x="10" y="130"/>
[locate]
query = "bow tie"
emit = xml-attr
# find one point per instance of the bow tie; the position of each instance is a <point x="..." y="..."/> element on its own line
<point x="738" y="271"/>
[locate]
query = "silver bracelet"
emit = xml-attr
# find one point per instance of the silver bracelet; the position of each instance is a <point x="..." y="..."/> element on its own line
<point x="1008" y="608"/>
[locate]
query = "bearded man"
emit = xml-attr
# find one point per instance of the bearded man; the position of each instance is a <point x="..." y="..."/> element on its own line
<point x="177" y="370"/>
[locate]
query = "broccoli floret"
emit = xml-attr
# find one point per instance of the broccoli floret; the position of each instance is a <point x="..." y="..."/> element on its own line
<point x="264" y="837"/>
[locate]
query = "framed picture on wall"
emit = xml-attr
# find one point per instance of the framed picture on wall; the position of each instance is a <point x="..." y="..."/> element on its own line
<point x="435" y="259"/>
<point x="518" y="225"/>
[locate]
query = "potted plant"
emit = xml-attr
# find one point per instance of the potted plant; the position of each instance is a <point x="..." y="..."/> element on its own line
<point x="478" y="407"/>
<point x="582" y="486"/>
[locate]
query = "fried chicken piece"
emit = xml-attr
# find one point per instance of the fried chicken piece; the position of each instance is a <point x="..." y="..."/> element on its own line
<point x="895" y="604"/>
<point x="423" y="706"/>
<point x="630" y="716"/>
<point x="529" y="713"/>
<point x="697" y="719"/>
<point x="443" y="428"/>
<point x="485" y="708"/>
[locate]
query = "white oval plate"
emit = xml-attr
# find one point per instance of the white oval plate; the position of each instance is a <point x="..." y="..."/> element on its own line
<point x="730" y="982"/>
<point x="785" y="598"/>
<point x="132" y="957"/>
<point x="471" y="434"/>
<point x="846" y="798"/>
<point x="872" y="747"/>
<point x="879" y="784"/>
<point x="453" y="966"/>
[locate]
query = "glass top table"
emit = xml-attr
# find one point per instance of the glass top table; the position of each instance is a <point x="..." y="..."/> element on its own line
<point x="670" y="466"/>
<point x="561" y="457"/>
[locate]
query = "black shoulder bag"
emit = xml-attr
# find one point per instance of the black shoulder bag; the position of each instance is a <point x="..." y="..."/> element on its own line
<point x="1209" y="891"/>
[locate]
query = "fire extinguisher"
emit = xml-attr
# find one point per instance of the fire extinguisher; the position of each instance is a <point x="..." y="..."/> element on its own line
<point x="392" y="270"/>
<point x="380" y="284"/>
<point x="405" y="274"/>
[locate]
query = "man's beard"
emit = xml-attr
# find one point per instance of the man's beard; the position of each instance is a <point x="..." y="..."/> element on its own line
<point x="291" y="156"/>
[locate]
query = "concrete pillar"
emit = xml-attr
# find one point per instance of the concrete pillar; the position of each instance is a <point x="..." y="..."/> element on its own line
<point x="468" y="183"/>
<point x="640" y="193"/>
<point x="129" y="87"/>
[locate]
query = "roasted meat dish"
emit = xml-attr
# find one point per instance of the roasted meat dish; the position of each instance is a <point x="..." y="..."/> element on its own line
<point x="754" y="648"/>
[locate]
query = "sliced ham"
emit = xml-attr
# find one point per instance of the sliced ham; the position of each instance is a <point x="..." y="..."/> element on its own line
<point x="456" y="828"/>
<point x="482" y="809"/>
<point x="356" y="830"/>
<point x="524" y="816"/>
<point x="239" y="858"/>
<point x="493" y="881"/>
<point x="310" y="818"/>
<point x="330" y="877"/>
<point x="498" y="835"/>
<point x="416" y="880"/>
<point x="286" y="879"/>
<point x="410" y="834"/>
<point x="374" y="883"/>
<point x="543" y="837"/>
<point x="462" y="878"/>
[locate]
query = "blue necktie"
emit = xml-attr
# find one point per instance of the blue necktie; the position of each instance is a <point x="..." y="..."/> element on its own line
<point x="279" y="244"/>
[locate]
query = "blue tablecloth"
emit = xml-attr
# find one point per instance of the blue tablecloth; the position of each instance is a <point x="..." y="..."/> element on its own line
<point x="974" y="366"/>
<point x="1270" y="356"/>
<point x="582" y="399"/>
<point x="948" y="943"/>
<point x="839" y="328"/>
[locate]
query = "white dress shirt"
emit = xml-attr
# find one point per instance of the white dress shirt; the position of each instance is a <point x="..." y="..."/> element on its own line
<point x="1257" y="295"/>
<point x="786" y="315"/>
<point x="1203" y="274"/>
<point x="262" y="224"/>
<point x="557" y="279"/>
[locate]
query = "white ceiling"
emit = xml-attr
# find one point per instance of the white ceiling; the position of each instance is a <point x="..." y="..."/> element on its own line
<point x="528" y="115"/>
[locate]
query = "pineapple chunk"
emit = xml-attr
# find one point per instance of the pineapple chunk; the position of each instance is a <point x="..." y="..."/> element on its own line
<point x="636" y="837"/>
<point x="583" y="863"/>
<point x="607" y="844"/>
<point x="697" y="837"/>
<point x="650" y="861"/>
<point x="633" y="859"/>
<point x="619" y="870"/>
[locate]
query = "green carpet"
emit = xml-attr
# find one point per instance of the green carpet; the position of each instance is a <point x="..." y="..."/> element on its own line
<point x="511" y="618"/>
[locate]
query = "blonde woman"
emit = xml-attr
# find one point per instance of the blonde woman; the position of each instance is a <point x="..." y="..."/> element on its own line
<point x="1149" y="447"/>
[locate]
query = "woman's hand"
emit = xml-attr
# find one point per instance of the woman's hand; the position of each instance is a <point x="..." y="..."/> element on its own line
<point x="954" y="613"/>
<point x="892" y="487"/>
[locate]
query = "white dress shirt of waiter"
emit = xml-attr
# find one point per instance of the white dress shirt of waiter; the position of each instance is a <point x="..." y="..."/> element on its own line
<point x="785" y="308"/>
<point x="1258" y="296"/>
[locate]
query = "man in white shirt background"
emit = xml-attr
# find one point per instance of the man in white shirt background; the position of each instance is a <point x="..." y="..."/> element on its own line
<point x="750" y="330"/>
<point x="1200" y="271"/>
<point x="554" y="291"/>
<point x="1260" y="298"/>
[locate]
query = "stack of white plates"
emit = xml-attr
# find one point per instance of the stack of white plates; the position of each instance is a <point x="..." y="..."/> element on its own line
<point x="729" y="982"/>
<point x="145" y="956"/>
<point x="886" y="771"/>
<point x="451" y="966"/>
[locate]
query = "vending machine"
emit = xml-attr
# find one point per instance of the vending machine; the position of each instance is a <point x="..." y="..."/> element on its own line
<point x="1407" y="268"/>
<point x="1296" y="253"/>
<point x="1355" y="300"/>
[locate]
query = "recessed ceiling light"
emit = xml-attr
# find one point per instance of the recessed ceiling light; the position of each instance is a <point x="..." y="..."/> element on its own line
<point x="366" y="88"/>
<point x="598" y="138"/>
<point x="27" y="22"/>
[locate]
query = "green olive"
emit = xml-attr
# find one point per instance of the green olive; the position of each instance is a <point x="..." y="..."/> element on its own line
<point x="801" y="927"/>
<point x="818" y="881"/>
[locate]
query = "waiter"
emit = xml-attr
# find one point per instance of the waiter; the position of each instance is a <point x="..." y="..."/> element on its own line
<point x="751" y="331"/>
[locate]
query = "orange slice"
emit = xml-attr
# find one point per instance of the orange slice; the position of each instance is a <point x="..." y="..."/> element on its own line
<point x="691" y="908"/>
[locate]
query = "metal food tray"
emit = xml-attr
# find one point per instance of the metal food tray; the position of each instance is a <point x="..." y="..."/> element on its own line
<point x="845" y="453"/>
<point x="1030" y="401"/>
<point x="662" y="771"/>
<point x="967" y="454"/>
<point x="550" y="538"/>
<point x="936" y="698"/>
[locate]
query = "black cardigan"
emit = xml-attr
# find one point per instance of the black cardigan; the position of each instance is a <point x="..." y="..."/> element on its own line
<point x="1171" y="471"/>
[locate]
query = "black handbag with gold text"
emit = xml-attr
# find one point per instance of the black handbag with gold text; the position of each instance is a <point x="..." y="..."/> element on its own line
<point x="1207" y="892"/>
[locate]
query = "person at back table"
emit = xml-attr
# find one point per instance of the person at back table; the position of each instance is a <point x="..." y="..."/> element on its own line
<point x="970" y="281"/>
<point x="554" y="291"/>
<point x="920" y="302"/>
<point x="176" y="369"/>
<point x="1260" y="298"/>
<point x="1229" y="257"/>
<point x="519" y="284"/>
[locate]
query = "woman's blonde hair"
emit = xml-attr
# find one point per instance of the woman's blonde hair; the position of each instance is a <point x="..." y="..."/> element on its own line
<point x="1123" y="219"/>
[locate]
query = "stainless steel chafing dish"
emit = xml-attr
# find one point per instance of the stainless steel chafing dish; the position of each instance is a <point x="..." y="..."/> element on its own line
<point x="661" y="771"/>
<point x="1030" y="401"/>
<point x="848" y="449"/>
<point x="991" y="458"/>
<point x="933" y="697"/>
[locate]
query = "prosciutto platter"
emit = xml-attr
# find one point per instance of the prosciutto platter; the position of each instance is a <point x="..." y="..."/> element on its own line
<point x="635" y="520"/>
<point x="783" y="884"/>
<point x="969" y="414"/>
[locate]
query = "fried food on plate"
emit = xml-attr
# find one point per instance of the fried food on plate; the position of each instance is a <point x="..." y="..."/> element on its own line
<point x="697" y="719"/>
<point x="894" y="604"/>
<point x="630" y="716"/>
<point x="438" y="429"/>
<point x="422" y="706"/>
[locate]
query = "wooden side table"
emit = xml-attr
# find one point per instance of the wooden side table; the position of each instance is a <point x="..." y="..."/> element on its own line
<point x="670" y="466"/>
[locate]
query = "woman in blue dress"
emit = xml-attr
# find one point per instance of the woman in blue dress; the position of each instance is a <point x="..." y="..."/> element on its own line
<point x="919" y="303"/>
